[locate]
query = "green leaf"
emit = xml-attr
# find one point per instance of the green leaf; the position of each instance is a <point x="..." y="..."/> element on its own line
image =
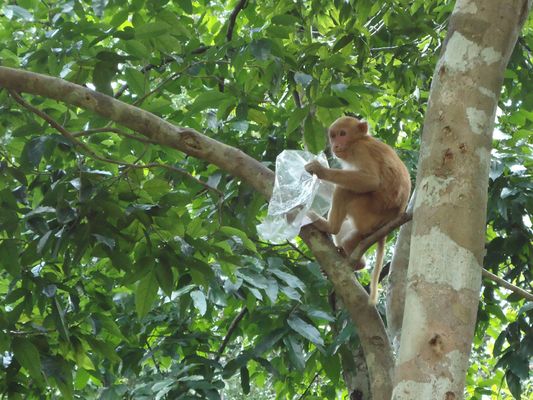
<point x="285" y="19"/>
<point x="302" y="79"/>
<point x="208" y="99"/>
<point x="268" y="341"/>
<point x="106" y="241"/>
<point x="245" y="380"/>
<point x="198" y="299"/>
<point x="185" y="5"/>
<point x="261" y="49"/>
<point x="34" y="150"/>
<point x="289" y="279"/>
<point x="151" y="30"/>
<point x="136" y="48"/>
<point x="27" y="355"/>
<point x="519" y="365"/>
<point x="314" y="135"/>
<point x="331" y="102"/>
<point x="296" y="352"/>
<point x="99" y="7"/>
<point x="231" y="231"/>
<point x="306" y="330"/>
<point x="9" y="257"/>
<point x="296" y="118"/>
<point x="342" y="42"/>
<point x="13" y="12"/>
<point x="515" y="387"/>
<point x="146" y="294"/>
<point x="165" y="278"/>
<point x="253" y="278"/>
<point x="258" y="117"/>
<point x="103" y="73"/>
<point x="168" y="43"/>
<point x="135" y="80"/>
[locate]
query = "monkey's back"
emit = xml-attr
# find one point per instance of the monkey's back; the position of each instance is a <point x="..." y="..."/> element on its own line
<point x="395" y="183"/>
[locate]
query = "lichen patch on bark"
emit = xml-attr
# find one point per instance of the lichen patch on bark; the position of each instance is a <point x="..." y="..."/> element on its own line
<point x="462" y="54"/>
<point x="466" y="7"/>
<point x="477" y="119"/>
<point x="435" y="267"/>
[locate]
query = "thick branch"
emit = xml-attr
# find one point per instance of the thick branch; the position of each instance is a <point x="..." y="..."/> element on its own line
<point x="370" y="327"/>
<point x="187" y="140"/>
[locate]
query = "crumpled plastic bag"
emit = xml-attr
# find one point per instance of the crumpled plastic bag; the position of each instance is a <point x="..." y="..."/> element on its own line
<point x="296" y="192"/>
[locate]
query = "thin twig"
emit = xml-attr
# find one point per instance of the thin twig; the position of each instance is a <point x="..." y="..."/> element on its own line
<point x="149" y="67"/>
<point x="233" y="18"/>
<point x="234" y="324"/>
<point x="120" y="132"/>
<point x="152" y="356"/>
<point x="156" y="89"/>
<point x="309" y="387"/>
<point x="519" y="291"/>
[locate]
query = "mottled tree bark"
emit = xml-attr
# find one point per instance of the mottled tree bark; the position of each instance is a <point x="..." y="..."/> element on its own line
<point x="447" y="243"/>
<point x="397" y="281"/>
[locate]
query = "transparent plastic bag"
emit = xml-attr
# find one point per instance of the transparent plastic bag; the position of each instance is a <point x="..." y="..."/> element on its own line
<point x="296" y="192"/>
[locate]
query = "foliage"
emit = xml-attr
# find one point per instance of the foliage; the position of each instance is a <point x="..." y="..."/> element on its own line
<point x="122" y="281"/>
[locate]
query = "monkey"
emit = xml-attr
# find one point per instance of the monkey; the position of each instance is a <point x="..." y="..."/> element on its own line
<point x="371" y="189"/>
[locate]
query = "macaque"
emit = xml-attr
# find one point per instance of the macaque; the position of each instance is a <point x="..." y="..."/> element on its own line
<point x="371" y="189"/>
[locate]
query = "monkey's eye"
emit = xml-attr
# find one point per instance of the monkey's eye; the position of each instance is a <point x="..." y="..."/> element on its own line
<point x="332" y="135"/>
<point x="342" y="133"/>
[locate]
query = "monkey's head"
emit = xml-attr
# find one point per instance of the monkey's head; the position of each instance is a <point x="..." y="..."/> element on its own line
<point x="343" y="133"/>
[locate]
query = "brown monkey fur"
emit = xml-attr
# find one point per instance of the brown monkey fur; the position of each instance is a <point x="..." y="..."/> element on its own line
<point x="371" y="189"/>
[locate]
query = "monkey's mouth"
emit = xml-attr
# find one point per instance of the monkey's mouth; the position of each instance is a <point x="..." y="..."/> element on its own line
<point x="339" y="153"/>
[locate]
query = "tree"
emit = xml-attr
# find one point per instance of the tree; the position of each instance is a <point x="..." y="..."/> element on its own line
<point x="124" y="244"/>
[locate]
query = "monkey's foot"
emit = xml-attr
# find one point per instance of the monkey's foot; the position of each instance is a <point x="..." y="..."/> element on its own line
<point x="361" y="264"/>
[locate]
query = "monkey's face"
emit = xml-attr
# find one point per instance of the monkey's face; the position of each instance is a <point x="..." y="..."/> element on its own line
<point x="343" y="134"/>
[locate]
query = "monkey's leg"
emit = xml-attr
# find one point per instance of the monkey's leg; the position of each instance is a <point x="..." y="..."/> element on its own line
<point x="349" y="242"/>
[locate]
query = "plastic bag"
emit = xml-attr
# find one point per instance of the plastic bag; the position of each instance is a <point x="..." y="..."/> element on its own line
<point x="296" y="192"/>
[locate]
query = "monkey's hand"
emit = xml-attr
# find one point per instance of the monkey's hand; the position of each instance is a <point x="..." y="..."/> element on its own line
<point x="314" y="167"/>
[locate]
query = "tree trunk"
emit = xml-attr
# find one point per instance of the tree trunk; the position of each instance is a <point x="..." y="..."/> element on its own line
<point x="447" y="245"/>
<point x="397" y="280"/>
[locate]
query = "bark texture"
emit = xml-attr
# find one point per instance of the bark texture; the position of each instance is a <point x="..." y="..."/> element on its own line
<point x="447" y="244"/>
<point x="395" y="301"/>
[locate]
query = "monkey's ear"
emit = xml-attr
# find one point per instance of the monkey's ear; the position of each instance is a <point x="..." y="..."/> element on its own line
<point x="363" y="127"/>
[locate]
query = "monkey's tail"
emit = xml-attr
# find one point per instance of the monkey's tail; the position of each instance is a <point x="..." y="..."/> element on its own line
<point x="373" y="299"/>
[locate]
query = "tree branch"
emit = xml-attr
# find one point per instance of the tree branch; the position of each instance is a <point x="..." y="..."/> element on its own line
<point x="363" y="246"/>
<point x="187" y="140"/>
<point x="495" y="278"/>
<point x="233" y="18"/>
<point x="61" y="129"/>
<point x="120" y="132"/>
<point x="234" y="324"/>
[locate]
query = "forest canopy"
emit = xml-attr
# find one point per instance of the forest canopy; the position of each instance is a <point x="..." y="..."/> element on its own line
<point x="130" y="269"/>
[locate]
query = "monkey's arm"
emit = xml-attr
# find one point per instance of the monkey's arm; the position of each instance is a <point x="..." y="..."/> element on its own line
<point x="357" y="181"/>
